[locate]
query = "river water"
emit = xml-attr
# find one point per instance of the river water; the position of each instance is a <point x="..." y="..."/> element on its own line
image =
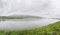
<point x="22" y="24"/>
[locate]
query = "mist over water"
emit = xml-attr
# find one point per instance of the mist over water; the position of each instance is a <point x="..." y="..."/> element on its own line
<point x="40" y="8"/>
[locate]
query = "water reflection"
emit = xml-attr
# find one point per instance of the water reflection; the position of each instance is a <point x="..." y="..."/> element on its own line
<point x="21" y="25"/>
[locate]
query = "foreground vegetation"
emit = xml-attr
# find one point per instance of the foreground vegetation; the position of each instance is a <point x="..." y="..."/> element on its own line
<point x="52" y="29"/>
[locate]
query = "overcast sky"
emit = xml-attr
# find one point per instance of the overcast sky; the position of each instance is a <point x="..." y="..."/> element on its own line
<point x="45" y="8"/>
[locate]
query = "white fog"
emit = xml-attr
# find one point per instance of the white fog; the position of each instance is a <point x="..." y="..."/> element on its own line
<point x="41" y="8"/>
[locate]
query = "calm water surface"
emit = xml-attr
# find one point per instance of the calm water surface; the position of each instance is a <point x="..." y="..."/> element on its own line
<point x="21" y="25"/>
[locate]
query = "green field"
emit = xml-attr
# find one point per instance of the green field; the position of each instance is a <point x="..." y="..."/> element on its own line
<point x="52" y="29"/>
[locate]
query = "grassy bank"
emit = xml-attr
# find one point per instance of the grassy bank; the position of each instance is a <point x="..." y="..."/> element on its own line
<point x="52" y="29"/>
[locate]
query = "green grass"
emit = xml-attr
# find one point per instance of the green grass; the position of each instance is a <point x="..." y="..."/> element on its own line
<point x="52" y="29"/>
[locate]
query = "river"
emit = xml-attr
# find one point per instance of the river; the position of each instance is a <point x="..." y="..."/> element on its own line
<point x="22" y="24"/>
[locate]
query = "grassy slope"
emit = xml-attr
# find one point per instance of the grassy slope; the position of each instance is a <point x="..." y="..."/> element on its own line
<point x="52" y="29"/>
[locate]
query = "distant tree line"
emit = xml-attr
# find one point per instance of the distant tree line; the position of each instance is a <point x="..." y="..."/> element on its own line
<point x="17" y="17"/>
